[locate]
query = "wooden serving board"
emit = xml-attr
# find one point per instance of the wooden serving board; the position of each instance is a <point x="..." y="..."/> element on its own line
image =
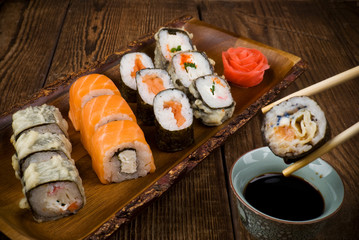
<point x="109" y="206"/>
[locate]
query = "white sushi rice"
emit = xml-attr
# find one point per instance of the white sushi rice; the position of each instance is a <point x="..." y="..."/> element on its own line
<point x="127" y="65"/>
<point x="304" y="116"/>
<point x="143" y="88"/>
<point x="111" y="118"/>
<point x="165" y="116"/>
<point x="95" y="93"/>
<point x="183" y="76"/>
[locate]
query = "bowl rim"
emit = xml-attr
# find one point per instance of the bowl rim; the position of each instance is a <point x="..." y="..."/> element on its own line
<point x="278" y="220"/>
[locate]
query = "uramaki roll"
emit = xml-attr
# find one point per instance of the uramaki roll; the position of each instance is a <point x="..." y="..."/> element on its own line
<point x="120" y="152"/>
<point x="83" y="90"/>
<point x="101" y="110"/>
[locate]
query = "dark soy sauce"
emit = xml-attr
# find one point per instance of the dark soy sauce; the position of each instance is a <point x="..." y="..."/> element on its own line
<point x="288" y="198"/>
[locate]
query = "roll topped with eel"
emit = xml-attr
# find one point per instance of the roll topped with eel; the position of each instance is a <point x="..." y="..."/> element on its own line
<point x="294" y="128"/>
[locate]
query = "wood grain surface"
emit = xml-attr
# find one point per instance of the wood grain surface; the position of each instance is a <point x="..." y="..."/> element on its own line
<point x="41" y="41"/>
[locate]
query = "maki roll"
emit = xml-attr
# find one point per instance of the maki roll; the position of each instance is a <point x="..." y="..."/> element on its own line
<point x="149" y="83"/>
<point x="32" y="142"/>
<point x="51" y="183"/>
<point x="129" y="65"/>
<point x="101" y="110"/>
<point x="294" y="128"/>
<point x="173" y="120"/>
<point x="53" y="188"/>
<point x="44" y="118"/>
<point x="170" y="41"/>
<point x="120" y="152"/>
<point x="83" y="90"/>
<point x="212" y="100"/>
<point x="187" y="66"/>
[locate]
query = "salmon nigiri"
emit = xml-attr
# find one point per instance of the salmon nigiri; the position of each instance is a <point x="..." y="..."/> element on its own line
<point x="101" y="110"/>
<point x="119" y="152"/>
<point x="86" y="88"/>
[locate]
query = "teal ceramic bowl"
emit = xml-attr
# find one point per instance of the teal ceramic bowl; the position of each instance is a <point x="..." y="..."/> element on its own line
<point x="262" y="226"/>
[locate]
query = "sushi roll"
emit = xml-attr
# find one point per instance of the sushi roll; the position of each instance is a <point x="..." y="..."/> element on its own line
<point x="129" y="65"/>
<point x="44" y="118"/>
<point x="53" y="188"/>
<point x="212" y="100"/>
<point x="187" y="66"/>
<point x="173" y="120"/>
<point x="294" y="128"/>
<point x="51" y="183"/>
<point x="101" y="110"/>
<point x="32" y="142"/>
<point x="120" y="152"/>
<point x="170" y="41"/>
<point x="83" y="90"/>
<point x="149" y="83"/>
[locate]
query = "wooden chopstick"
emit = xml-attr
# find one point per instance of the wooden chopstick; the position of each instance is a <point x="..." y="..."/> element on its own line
<point x="340" y="138"/>
<point x="320" y="86"/>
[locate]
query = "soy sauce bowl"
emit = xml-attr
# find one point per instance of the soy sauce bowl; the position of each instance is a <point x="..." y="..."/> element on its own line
<point x="262" y="226"/>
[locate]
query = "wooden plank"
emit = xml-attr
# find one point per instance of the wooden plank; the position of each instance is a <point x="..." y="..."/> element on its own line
<point x="28" y="37"/>
<point x="95" y="29"/>
<point x="195" y="208"/>
<point x="329" y="48"/>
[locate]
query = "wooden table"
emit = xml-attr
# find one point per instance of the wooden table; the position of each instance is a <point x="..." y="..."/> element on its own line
<point x="41" y="41"/>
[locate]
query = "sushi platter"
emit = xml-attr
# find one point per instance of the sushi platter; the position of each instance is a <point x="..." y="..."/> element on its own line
<point x="110" y="205"/>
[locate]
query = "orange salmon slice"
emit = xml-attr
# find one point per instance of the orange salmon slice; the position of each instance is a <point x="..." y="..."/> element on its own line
<point x="154" y="83"/>
<point x="285" y="132"/>
<point x="176" y="108"/>
<point x="138" y="65"/>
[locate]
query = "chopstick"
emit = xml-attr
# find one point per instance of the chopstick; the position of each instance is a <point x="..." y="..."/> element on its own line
<point x="320" y="86"/>
<point x="340" y="138"/>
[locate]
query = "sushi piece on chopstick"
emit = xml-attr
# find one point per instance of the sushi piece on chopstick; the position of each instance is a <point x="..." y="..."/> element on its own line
<point x="170" y="41"/>
<point x="129" y="65"/>
<point x="149" y="83"/>
<point x="44" y="118"/>
<point x="120" y="152"/>
<point x="101" y="110"/>
<point x="294" y="128"/>
<point x="212" y="100"/>
<point x="173" y="120"/>
<point x="83" y="90"/>
<point x="187" y="66"/>
<point x="51" y="183"/>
